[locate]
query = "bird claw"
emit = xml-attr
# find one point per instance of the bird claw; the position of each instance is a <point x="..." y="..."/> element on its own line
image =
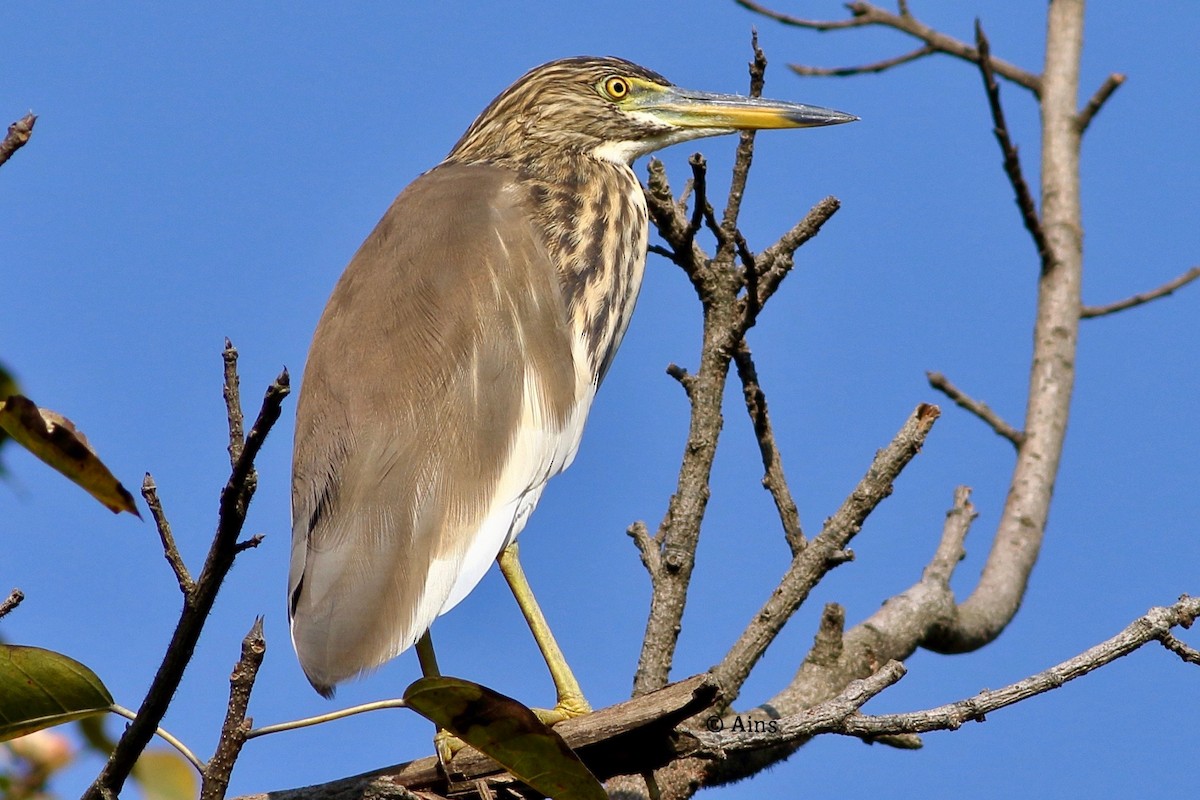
<point x="446" y="745"/>
<point x="568" y="707"/>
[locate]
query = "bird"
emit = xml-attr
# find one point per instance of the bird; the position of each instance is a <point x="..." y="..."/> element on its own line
<point x="452" y="370"/>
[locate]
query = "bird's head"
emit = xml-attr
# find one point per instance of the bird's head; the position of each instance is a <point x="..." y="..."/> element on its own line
<point x="615" y="110"/>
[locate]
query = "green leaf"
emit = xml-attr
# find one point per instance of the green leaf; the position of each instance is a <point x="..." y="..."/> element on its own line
<point x="55" y="440"/>
<point x="40" y="688"/>
<point x="508" y="732"/>
<point x="165" y="775"/>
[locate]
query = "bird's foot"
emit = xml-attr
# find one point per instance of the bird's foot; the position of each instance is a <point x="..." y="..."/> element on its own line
<point x="568" y="707"/>
<point x="446" y="744"/>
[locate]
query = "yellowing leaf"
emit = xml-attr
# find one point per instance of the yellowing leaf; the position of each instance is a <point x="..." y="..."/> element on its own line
<point x="164" y="775"/>
<point x="508" y="732"/>
<point x="40" y="688"/>
<point x="54" y="439"/>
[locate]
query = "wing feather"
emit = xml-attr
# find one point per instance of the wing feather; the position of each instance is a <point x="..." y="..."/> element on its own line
<point x="437" y="389"/>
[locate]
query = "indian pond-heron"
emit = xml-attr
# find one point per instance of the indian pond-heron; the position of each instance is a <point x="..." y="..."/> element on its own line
<point x="453" y="368"/>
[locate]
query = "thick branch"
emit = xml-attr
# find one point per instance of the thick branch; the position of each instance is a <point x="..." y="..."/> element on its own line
<point x="981" y="617"/>
<point x="1087" y="312"/>
<point x="235" y="498"/>
<point x="634" y="736"/>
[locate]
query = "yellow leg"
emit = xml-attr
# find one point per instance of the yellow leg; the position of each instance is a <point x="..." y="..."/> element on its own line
<point x="571" y="702"/>
<point x="444" y="743"/>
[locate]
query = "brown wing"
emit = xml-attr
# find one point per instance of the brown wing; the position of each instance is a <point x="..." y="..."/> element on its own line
<point x="415" y="383"/>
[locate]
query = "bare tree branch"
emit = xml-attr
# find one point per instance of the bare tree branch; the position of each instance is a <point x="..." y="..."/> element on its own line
<point x="981" y="617"/>
<point x="811" y="564"/>
<point x="1012" y="164"/>
<point x="773" y="480"/>
<point x="982" y="410"/>
<point x="18" y="134"/>
<point x="777" y="261"/>
<point x="150" y="494"/>
<point x="1089" y="111"/>
<point x="14" y="599"/>
<point x="233" y="403"/>
<point x="235" y="499"/>
<point x="840" y="715"/>
<point x="863" y="69"/>
<point x="1189" y="654"/>
<point x="1087" y="312"/>
<point x="237" y="724"/>
<point x="864" y="14"/>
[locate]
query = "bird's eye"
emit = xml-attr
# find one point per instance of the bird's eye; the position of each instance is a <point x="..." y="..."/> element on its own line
<point x="616" y="88"/>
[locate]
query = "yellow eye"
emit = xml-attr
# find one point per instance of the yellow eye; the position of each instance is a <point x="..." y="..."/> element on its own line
<point x="616" y="88"/>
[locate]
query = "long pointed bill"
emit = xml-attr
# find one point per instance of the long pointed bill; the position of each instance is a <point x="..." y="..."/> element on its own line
<point x="689" y="109"/>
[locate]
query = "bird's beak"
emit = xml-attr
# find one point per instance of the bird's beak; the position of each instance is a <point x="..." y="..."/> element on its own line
<point x="684" y="108"/>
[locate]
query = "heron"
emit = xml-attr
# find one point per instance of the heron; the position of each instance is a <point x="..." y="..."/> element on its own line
<point x="453" y="368"/>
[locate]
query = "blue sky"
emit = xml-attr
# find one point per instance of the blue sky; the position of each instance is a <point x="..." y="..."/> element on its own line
<point x="206" y="170"/>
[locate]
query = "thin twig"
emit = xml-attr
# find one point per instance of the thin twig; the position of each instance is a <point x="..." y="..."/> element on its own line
<point x="297" y="724"/>
<point x="824" y="552"/>
<point x="800" y="22"/>
<point x="18" y="134"/>
<point x="12" y="601"/>
<point x="1094" y="104"/>
<point x="774" y="263"/>
<point x="235" y="499"/>
<point x="150" y="494"/>
<point x="865" y="14"/>
<point x="165" y="735"/>
<point x="774" y="480"/>
<point x="863" y="69"/>
<point x="951" y="548"/>
<point x="237" y="725"/>
<point x="1012" y="163"/>
<point x="1087" y="312"/>
<point x="1189" y="654"/>
<point x="982" y="410"/>
<point x="233" y="403"/>
<point x="249" y="544"/>
<point x="743" y="158"/>
<point x="646" y="548"/>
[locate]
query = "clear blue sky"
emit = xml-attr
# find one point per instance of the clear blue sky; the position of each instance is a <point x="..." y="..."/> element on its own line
<point x="206" y="170"/>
